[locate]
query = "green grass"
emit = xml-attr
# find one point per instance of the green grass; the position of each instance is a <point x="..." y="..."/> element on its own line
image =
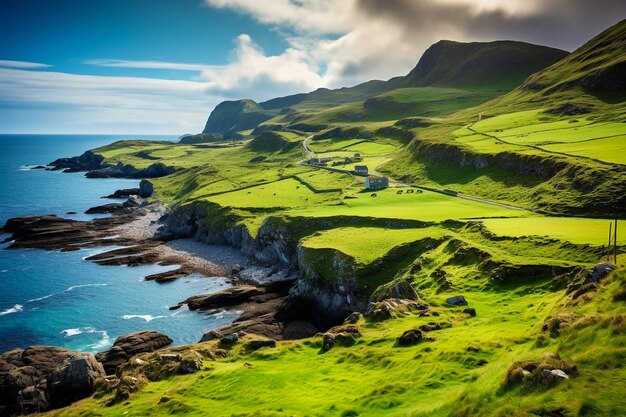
<point x="574" y="230"/>
<point x="287" y="193"/>
<point x="609" y="149"/>
<point x="321" y="180"/>
<point x="366" y="244"/>
<point x="426" y="206"/>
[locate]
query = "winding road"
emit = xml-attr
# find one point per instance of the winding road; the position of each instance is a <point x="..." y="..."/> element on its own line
<point x="311" y="154"/>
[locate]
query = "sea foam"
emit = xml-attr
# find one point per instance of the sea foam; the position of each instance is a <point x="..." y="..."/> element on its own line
<point x="146" y="317"/>
<point x="15" y="309"/>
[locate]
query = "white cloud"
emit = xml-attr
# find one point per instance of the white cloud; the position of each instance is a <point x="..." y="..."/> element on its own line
<point x="22" y="64"/>
<point x="123" y="63"/>
<point x="89" y="103"/>
<point x="316" y="16"/>
<point x="253" y="74"/>
<point x="352" y="41"/>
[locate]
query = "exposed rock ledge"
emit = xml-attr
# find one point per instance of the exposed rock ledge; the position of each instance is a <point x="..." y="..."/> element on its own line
<point x="95" y="167"/>
<point x="41" y="378"/>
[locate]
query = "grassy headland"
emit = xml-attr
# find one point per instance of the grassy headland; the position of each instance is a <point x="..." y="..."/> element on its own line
<point x="549" y="148"/>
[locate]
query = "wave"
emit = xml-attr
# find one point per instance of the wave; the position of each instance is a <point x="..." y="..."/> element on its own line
<point x="15" y="309"/>
<point x="71" y="332"/>
<point x="73" y="287"/>
<point x="101" y="344"/>
<point x="147" y="317"/>
<point x="41" y="298"/>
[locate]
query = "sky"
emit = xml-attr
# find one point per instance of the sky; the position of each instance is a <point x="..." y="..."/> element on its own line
<point x="161" y="66"/>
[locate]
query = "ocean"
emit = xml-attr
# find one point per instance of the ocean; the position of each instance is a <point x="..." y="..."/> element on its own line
<point x="56" y="298"/>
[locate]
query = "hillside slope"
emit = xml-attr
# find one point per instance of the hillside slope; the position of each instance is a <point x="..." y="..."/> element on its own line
<point x="495" y="67"/>
<point x="599" y="66"/>
<point x="233" y="116"/>
<point x="500" y="64"/>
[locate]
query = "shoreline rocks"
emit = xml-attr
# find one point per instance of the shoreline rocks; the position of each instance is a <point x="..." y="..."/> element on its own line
<point x="123" y="193"/>
<point x="41" y="378"/>
<point x="94" y="167"/>
<point x="125" y="347"/>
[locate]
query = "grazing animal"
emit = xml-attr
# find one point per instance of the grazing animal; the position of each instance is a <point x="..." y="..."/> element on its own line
<point x="373" y="195"/>
<point x="399" y="192"/>
<point x="410" y="191"/>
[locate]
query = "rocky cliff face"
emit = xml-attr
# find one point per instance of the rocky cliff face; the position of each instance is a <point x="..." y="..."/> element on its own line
<point x="327" y="288"/>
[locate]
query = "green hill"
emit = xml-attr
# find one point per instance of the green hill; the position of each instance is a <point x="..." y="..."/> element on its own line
<point x="476" y="284"/>
<point x="234" y="116"/>
<point x="475" y="71"/>
<point x="499" y="65"/>
<point x="599" y="66"/>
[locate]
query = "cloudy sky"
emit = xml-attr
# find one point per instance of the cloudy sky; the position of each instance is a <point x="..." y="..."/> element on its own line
<point x="160" y="66"/>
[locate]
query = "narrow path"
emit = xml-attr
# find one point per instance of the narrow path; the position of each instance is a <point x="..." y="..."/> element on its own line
<point x="305" y="145"/>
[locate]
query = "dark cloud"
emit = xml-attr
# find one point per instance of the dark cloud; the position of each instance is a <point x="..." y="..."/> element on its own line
<point x="565" y="24"/>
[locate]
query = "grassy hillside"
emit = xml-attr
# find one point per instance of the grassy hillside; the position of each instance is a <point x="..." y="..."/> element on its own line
<point x="481" y="195"/>
<point x="500" y="65"/>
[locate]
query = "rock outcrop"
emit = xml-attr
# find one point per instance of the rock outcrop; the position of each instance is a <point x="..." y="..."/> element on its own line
<point x="40" y="378"/>
<point x="74" y="380"/>
<point x="125" y="347"/>
<point x="95" y="167"/>
<point x="145" y="189"/>
<point x="124" y="193"/>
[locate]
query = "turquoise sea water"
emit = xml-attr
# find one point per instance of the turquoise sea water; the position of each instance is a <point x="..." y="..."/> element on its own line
<point x="56" y="298"/>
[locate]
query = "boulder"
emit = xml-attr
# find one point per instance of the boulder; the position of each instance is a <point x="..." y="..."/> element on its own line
<point x="432" y="326"/>
<point x="74" y="380"/>
<point x="43" y="377"/>
<point x="228" y="297"/>
<point x="145" y="189"/>
<point x="401" y="289"/>
<point x="190" y="363"/>
<point x="111" y="208"/>
<point x="135" y="201"/>
<point x="470" y="311"/>
<point x="124" y="193"/>
<point x="457" y="300"/>
<point x="410" y="337"/>
<point x="554" y="375"/>
<point x="261" y="343"/>
<point x="353" y="318"/>
<point x="229" y="339"/>
<point x="328" y="341"/>
<point x="386" y="309"/>
<point x="125" y="347"/>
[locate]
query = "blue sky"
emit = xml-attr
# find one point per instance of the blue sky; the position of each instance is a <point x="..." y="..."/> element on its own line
<point x="160" y="66"/>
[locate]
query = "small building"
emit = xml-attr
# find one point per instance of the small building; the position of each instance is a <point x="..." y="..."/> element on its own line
<point x="360" y="169"/>
<point x="376" y="183"/>
<point x="357" y="155"/>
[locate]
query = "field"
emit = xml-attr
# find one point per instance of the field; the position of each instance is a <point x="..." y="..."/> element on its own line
<point x="574" y="230"/>
<point x="532" y="131"/>
<point x="288" y="193"/>
<point x="425" y="206"/>
<point x="377" y="241"/>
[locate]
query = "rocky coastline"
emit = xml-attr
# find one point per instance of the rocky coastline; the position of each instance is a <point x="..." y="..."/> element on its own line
<point x="265" y="273"/>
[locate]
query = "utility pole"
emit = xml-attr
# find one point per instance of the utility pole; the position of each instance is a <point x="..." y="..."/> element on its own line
<point x="615" y="240"/>
<point x="608" y="250"/>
